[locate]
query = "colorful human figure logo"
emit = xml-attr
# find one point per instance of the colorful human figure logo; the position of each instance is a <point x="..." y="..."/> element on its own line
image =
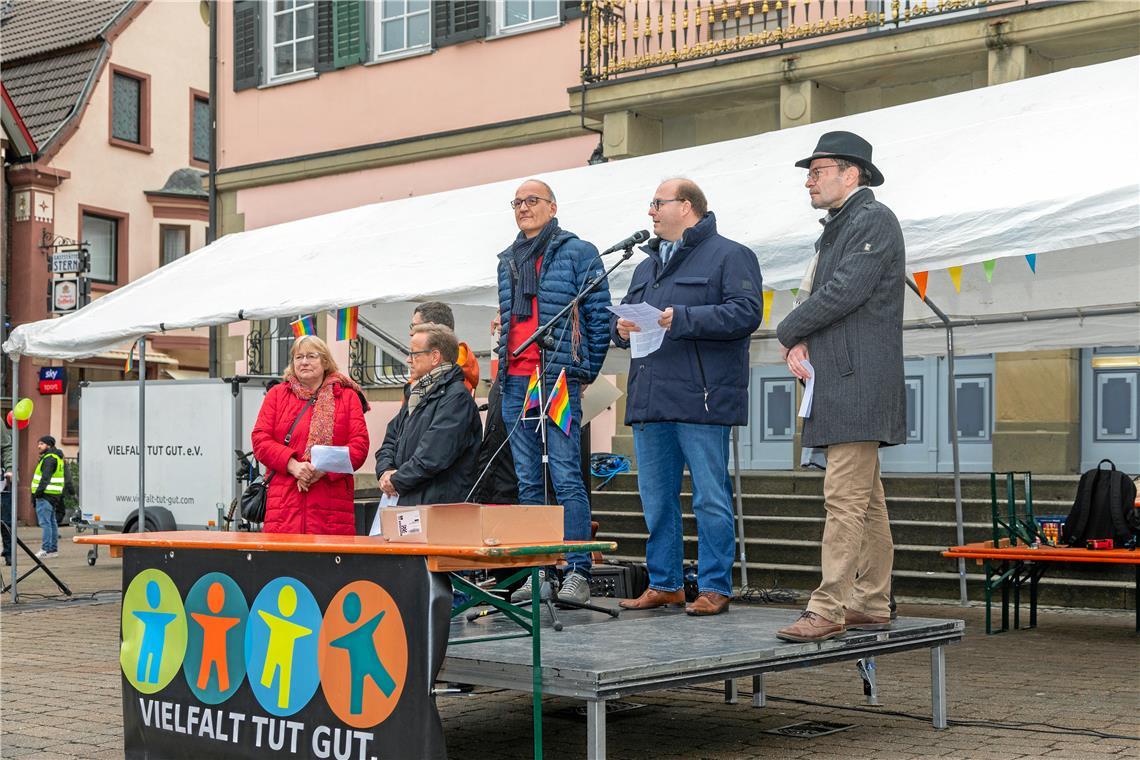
<point x="281" y="646"/>
<point x="364" y="654"/>
<point x="154" y="631"/>
<point x="215" y="651"/>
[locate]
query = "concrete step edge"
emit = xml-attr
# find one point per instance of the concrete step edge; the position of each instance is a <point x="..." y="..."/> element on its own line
<point x="819" y="497"/>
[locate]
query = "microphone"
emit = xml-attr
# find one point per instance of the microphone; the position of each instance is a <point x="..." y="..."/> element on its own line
<point x="638" y="237"/>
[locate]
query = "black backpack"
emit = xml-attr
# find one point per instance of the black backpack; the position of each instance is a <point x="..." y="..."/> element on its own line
<point x="1103" y="508"/>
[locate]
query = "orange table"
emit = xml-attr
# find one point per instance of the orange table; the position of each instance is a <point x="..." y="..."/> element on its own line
<point x="1026" y="563"/>
<point x="288" y="610"/>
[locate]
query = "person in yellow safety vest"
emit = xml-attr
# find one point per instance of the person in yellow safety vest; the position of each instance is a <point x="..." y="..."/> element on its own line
<point x="47" y="492"/>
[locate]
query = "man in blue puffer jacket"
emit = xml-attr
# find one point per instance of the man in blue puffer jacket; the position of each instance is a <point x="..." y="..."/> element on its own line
<point x="541" y="272"/>
<point x="683" y="398"/>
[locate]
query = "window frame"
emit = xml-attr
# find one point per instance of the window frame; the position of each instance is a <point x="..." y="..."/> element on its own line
<point x="269" y="30"/>
<point x="122" y="238"/>
<point x="376" y="39"/>
<point x="500" y="29"/>
<point x="144" y="144"/>
<point x="197" y="96"/>
<point x="162" y="230"/>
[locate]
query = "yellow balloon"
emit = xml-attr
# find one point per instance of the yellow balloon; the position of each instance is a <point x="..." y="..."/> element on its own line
<point x="23" y="409"/>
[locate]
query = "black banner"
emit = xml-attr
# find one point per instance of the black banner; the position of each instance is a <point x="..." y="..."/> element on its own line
<point x="275" y="654"/>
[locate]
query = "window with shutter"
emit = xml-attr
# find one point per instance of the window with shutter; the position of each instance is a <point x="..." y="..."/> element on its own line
<point x="402" y="27"/>
<point x="520" y="15"/>
<point x="200" y="129"/>
<point x="348" y="32"/>
<point x="454" y="22"/>
<point x="247" y="44"/>
<point x="291" y="32"/>
<point x="325" y="35"/>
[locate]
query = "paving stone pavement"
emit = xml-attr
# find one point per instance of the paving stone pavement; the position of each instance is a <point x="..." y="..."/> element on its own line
<point x="60" y="692"/>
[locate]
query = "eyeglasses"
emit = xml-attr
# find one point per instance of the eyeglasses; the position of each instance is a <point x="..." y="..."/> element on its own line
<point x="309" y="357"/>
<point x="814" y="174"/>
<point x="531" y="201"/>
<point x="657" y="203"/>
<point x="414" y="354"/>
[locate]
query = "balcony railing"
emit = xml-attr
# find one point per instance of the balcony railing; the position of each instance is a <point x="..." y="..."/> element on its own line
<point x="621" y="37"/>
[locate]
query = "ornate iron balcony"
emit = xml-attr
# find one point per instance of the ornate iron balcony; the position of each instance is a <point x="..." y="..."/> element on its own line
<point x="620" y="37"/>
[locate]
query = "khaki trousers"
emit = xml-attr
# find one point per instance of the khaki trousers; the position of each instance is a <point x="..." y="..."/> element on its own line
<point x="858" y="552"/>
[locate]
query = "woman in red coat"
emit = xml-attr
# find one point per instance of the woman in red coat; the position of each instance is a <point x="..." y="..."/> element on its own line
<point x="327" y="408"/>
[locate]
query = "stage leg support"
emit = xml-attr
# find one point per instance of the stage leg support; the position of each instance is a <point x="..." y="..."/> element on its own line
<point x="938" y="686"/>
<point x="730" y="691"/>
<point x="866" y="668"/>
<point x="759" y="696"/>
<point x="596" y="729"/>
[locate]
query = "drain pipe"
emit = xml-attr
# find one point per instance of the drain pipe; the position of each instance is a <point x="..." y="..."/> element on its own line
<point x="952" y="412"/>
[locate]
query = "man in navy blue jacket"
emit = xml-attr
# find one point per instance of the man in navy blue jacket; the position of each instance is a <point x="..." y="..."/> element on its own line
<point x="543" y="270"/>
<point x="683" y="398"/>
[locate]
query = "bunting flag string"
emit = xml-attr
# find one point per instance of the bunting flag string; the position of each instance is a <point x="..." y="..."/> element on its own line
<point x="989" y="267"/>
<point x="920" y="279"/>
<point x="1032" y="259"/>
<point x="346" y="322"/>
<point x="956" y="278"/>
<point x="769" y="295"/>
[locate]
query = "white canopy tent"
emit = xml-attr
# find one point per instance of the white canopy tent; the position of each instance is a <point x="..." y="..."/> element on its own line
<point x="1045" y="165"/>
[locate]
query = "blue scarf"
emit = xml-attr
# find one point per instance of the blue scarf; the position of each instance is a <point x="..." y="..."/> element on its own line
<point x="524" y="276"/>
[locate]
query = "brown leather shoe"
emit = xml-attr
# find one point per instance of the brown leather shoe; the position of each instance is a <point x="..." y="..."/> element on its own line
<point x="855" y="620"/>
<point x="708" y="603"/>
<point x="652" y="599"/>
<point x="810" y="627"/>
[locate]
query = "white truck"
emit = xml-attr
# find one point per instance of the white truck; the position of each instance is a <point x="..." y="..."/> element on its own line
<point x="194" y="429"/>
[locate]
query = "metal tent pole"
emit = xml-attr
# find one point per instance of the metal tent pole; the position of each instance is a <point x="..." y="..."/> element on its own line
<point x="739" y="507"/>
<point x="952" y="412"/>
<point x="15" y="501"/>
<point x="142" y="434"/>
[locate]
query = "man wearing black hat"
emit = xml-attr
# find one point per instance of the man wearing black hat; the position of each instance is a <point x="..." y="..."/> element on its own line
<point x="851" y="327"/>
<point x="47" y="492"/>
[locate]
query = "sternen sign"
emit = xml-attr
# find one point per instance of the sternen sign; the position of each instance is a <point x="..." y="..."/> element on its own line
<point x="276" y="654"/>
<point x="66" y="262"/>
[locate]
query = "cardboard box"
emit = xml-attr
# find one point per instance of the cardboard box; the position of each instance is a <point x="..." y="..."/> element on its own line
<point x="473" y="524"/>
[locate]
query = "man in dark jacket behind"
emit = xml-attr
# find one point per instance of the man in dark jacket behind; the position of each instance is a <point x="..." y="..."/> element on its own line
<point x="851" y="324"/>
<point x="428" y="454"/>
<point x="539" y="274"/>
<point x="684" y="397"/>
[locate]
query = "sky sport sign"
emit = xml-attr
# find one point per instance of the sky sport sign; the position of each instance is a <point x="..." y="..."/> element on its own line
<point x="271" y="654"/>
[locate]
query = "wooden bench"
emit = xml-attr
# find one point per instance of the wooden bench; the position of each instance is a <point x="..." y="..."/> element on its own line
<point x="1011" y="566"/>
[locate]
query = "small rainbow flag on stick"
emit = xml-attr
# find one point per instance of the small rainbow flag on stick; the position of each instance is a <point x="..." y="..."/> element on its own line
<point x="531" y="400"/>
<point x="304" y="326"/>
<point x="346" y="323"/>
<point x="559" y="407"/>
<point x="129" y="364"/>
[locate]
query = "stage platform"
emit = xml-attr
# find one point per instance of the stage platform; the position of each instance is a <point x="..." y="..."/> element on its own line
<point x="597" y="658"/>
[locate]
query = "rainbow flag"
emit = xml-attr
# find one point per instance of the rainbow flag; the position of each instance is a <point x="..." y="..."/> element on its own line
<point x="531" y="400"/>
<point x="304" y="326"/>
<point x="346" y="323"/>
<point x="129" y="364"/>
<point x="559" y="407"/>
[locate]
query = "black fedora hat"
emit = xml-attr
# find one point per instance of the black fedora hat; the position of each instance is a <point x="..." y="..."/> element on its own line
<point x="848" y="146"/>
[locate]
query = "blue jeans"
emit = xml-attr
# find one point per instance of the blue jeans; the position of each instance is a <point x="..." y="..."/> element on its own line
<point x="45" y="514"/>
<point x="663" y="449"/>
<point x="565" y="458"/>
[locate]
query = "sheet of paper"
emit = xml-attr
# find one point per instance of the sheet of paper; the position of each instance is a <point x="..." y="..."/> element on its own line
<point x="331" y="459"/>
<point x="645" y="342"/>
<point x="809" y="391"/>
<point x="643" y="315"/>
<point x="385" y="501"/>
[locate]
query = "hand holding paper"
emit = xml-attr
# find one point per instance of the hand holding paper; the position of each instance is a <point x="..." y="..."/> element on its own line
<point x="332" y="459"/>
<point x="809" y="390"/>
<point x="650" y="334"/>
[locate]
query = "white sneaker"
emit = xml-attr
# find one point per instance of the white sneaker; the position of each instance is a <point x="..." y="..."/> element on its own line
<point x="42" y="554"/>
<point x="575" y="588"/>
<point x="524" y="592"/>
<point x="51" y="555"/>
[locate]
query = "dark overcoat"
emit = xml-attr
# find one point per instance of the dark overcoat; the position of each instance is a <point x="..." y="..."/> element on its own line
<point x="852" y="323"/>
